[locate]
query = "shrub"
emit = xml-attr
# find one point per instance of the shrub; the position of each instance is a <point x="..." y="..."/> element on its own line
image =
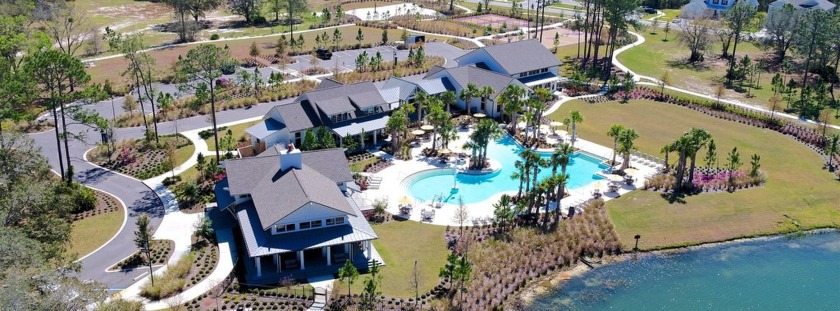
<point x="171" y="282"/>
<point x="169" y="181"/>
<point x="85" y="199"/>
<point x="214" y="36"/>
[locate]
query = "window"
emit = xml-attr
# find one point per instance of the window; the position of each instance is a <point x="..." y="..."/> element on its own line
<point x="335" y="221"/>
<point x="316" y="223"/>
<point x="284" y="228"/>
<point x="304" y="225"/>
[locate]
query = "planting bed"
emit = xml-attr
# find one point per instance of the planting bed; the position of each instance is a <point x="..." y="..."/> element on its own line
<point x="104" y="204"/>
<point x="206" y="257"/>
<point x="161" y="249"/>
<point x="142" y="160"/>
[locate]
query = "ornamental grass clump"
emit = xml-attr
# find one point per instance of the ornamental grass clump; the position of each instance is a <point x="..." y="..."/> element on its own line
<point x="171" y="282"/>
<point x="503" y="265"/>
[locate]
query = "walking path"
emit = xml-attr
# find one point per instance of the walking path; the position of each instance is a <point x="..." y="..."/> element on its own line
<point x="656" y="82"/>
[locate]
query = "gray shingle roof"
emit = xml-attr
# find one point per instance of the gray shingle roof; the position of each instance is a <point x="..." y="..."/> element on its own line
<point x="520" y="56"/>
<point x="276" y="194"/>
<point x="344" y="98"/>
<point x="480" y="77"/>
<point x="265" y="128"/>
<point x="297" y="116"/>
<point x="261" y="243"/>
<point x="329" y="162"/>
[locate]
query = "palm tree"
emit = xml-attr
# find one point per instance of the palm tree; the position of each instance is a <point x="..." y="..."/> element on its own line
<point x="832" y="149"/>
<point x="448" y="99"/>
<point x="420" y="100"/>
<point x="527" y="156"/>
<point x="560" y="181"/>
<point x="626" y="145"/>
<point x="614" y="132"/>
<point x="397" y="126"/>
<point x="576" y="118"/>
<point x="667" y="151"/>
<point x="467" y="94"/>
<point x="520" y="174"/>
<point x="565" y="150"/>
<point x="510" y="99"/>
<point x="485" y="92"/>
<point x="699" y="139"/>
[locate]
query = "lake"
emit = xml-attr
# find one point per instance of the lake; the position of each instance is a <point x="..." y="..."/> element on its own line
<point x="781" y="273"/>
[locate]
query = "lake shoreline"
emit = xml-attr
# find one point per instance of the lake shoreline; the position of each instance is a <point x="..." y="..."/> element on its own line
<point x="556" y="279"/>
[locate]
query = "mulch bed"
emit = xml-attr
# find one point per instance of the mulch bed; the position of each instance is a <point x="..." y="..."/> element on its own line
<point x="161" y="250"/>
<point x="207" y="255"/>
<point x="104" y="204"/>
<point x="140" y="162"/>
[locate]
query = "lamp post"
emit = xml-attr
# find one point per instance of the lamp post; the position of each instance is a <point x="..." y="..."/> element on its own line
<point x="146" y="249"/>
<point x="637" y="237"/>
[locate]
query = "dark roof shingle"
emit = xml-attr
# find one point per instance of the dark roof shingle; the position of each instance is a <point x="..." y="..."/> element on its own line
<point x="520" y="56"/>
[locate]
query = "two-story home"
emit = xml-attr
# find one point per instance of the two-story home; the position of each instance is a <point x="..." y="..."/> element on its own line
<point x="295" y="213"/>
<point x="350" y="109"/>
<point x="710" y="8"/>
<point x="527" y="61"/>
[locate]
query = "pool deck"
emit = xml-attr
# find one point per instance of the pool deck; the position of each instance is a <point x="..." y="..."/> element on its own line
<point x="393" y="189"/>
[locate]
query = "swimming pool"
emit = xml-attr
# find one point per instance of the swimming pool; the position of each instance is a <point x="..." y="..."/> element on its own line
<point x="433" y="184"/>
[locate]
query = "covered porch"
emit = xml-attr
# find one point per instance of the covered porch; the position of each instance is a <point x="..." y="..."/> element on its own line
<point x="320" y="261"/>
<point x="369" y="126"/>
<point x="546" y="80"/>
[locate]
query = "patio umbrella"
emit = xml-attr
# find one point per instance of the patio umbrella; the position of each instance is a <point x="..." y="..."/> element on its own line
<point x="427" y="127"/>
<point x="444" y="151"/>
<point x="544" y="128"/>
<point x="479" y="115"/>
<point x="600" y="185"/>
<point x="614" y="177"/>
<point x="405" y="200"/>
<point x="418" y="132"/>
<point x="556" y="124"/>
<point x="631" y="171"/>
<point x="562" y="133"/>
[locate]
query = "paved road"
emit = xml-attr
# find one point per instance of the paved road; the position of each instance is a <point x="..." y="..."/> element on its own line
<point x="136" y="195"/>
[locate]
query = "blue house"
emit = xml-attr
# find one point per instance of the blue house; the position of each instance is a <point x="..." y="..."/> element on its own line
<point x="296" y="215"/>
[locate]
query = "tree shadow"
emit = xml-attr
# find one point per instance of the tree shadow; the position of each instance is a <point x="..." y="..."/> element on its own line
<point x="685" y="64"/>
<point x="674" y="197"/>
<point x="93" y="176"/>
<point x="149" y="204"/>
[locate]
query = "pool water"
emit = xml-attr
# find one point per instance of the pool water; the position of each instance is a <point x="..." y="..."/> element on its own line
<point x="434" y="184"/>
<point x="785" y="273"/>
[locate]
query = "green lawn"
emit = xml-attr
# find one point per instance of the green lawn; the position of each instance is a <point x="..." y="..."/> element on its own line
<point x="798" y="190"/>
<point x="90" y="233"/>
<point x="656" y="56"/>
<point x="238" y="132"/>
<point x="360" y="166"/>
<point x="401" y="243"/>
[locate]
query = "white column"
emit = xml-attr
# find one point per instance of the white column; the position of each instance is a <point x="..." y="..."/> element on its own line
<point x="300" y="257"/>
<point x="277" y="262"/>
<point x="329" y="256"/>
<point x="367" y="249"/>
<point x="374" y="136"/>
<point x="257" y="263"/>
<point x="346" y="248"/>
